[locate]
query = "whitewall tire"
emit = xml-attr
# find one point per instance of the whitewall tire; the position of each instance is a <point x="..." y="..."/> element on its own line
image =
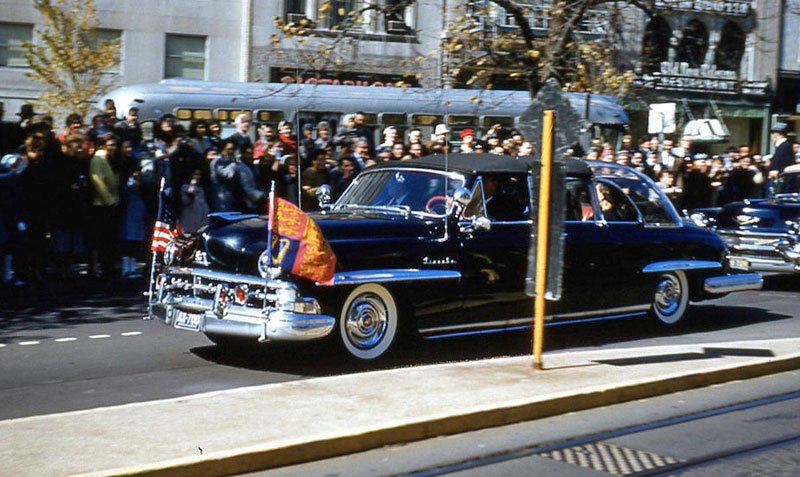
<point x="368" y="321"/>
<point x="671" y="298"/>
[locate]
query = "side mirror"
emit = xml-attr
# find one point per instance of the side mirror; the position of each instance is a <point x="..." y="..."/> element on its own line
<point x="324" y="196"/>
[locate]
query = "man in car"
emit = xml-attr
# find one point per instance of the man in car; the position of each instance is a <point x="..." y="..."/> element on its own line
<point x="500" y="205"/>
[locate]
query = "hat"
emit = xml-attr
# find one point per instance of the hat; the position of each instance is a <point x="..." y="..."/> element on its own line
<point x="308" y="127"/>
<point x="242" y="118"/>
<point x="26" y="111"/>
<point x="466" y="132"/>
<point x="323" y="125"/>
<point x="441" y="129"/>
<point x="781" y="128"/>
<point x="388" y="128"/>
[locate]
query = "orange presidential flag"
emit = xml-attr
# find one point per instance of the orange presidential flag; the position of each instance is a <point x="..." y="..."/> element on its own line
<point x="298" y="246"/>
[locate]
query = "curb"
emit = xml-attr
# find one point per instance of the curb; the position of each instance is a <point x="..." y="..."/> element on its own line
<point x="258" y="458"/>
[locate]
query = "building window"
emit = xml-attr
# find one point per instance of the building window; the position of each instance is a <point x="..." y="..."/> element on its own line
<point x="655" y="44"/>
<point x="295" y="10"/>
<point x="340" y="12"/>
<point x="694" y="44"/>
<point x="103" y="34"/>
<point x="730" y="48"/>
<point x="12" y="35"/>
<point x="185" y="57"/>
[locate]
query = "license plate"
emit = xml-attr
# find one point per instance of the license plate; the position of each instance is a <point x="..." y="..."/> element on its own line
<point x="187" y="321"/>
<point x="739" y="263"/>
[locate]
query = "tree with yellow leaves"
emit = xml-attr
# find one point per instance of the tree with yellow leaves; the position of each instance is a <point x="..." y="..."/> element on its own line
<point x="478" y="53"/>
<point x="68" y="59"/>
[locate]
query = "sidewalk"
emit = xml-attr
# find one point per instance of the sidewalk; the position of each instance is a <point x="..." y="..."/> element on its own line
<point x="275" y="425"/>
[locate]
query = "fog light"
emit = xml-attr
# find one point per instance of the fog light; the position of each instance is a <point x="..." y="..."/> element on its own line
<point x="307" y="306"/>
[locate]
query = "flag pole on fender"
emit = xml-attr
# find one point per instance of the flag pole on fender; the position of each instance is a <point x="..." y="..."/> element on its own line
<point x="270" y="223"/>
<point x="153" y="254"/>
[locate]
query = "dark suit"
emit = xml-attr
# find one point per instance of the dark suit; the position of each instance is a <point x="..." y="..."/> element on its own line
<point x="783" y="157"/>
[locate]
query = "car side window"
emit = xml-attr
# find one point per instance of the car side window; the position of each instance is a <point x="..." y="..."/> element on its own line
<point x="579" y="201"/>
<point x="506" y="197"/>
<point x="614" y="205"/>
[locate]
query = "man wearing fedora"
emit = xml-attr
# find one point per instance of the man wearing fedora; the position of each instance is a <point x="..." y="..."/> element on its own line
<point x="12" y="134"/>
<point x="784" y="155"/>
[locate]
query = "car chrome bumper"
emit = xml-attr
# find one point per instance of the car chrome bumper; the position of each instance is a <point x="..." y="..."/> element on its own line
<point x="237" y="320"/>
<point x="733" y="283"/>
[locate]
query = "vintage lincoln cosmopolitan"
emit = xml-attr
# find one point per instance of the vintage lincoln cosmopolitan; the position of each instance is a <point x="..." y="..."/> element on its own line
<point x="763" y="234"/>
<point x="438" y="247"/>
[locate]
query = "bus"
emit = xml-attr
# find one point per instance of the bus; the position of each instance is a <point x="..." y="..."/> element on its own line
<point x="403" y="108"/>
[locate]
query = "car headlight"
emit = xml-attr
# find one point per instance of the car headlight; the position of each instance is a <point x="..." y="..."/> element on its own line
<point x="700" y="219"/>
<point x="264" y="269"/>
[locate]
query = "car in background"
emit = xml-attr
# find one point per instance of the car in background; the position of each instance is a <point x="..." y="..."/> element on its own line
<point x="438" y="247"/>
<point x="763" y="234"/>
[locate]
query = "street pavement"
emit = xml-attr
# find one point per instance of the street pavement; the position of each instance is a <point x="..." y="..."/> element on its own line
<point x="274" y="425"/>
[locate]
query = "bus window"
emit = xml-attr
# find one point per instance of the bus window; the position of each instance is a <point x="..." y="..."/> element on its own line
<point x="370" y="119"/>
<point x="230" y="114"/>
<point x="457" y="124"/>
<point x="456" y="121"/>
<point x="204" y="114"/>
<point x="314" y="118"/>
<point x="183" y="114"/>
<point x="426" y="123"/>
<point x="269" y="117"/>
<point x="488" y="121"/>
<point x="393" y="119"/>
<point x="425" y="120"/>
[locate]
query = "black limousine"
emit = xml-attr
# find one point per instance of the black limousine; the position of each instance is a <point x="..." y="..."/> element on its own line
<point x="438" y="247"/>
<point x="763" y="234"/>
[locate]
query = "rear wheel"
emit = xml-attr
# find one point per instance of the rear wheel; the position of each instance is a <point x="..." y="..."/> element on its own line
<point x="368" y="322"/>
<point x="671" y="298"/>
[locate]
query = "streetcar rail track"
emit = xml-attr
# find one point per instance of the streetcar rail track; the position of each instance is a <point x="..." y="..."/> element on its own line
<point x="539" y="449"/>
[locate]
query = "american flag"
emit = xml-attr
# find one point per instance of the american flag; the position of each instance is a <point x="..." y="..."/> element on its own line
<point x="166" y="227"/>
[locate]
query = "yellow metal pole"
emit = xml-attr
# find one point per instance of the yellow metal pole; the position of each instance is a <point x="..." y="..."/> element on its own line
<point x="541" y="238"/>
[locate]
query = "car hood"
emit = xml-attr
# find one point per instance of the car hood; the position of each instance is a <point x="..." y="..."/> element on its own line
<point x="761" y="215"/>
<point x="354" y="237"/>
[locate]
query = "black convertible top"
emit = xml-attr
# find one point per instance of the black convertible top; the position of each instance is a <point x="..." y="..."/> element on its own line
<point x="484" y="164"/>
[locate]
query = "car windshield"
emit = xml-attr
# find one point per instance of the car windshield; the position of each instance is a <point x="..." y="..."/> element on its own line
<point x="655" y="208"/>
<point x="407" y="190"/>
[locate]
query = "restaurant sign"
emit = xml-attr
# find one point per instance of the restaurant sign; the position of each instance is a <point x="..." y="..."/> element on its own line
<point x="282" y="75"/>
<point x="677" y="76"/>
<point x="736" y="8"/>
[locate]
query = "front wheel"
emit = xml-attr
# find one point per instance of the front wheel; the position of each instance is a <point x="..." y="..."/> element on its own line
<point x="671" y="298"/>
<point x="368" y="322"/>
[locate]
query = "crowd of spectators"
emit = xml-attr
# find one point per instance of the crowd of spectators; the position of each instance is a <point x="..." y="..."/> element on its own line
<point x="694" y="179"/>
<point x="90" y="193"/>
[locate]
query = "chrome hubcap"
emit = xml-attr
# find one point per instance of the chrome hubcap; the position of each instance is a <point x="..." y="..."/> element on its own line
<point x="668" y="295"/>
<point x="366" y="321"/>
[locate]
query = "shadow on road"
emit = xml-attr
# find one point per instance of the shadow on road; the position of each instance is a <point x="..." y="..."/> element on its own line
<point x="326" y="359"/>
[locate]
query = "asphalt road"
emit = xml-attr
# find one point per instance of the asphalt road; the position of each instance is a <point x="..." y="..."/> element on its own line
<point x="85" y="350"/>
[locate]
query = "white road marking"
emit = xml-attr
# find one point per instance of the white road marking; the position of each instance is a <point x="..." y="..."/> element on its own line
<point x="2" y="345"/>
<point x="28" y="343"/>
<point x="97" y="337"/>
<point x="64" y="340"/>
<point x="131" y="333"/>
